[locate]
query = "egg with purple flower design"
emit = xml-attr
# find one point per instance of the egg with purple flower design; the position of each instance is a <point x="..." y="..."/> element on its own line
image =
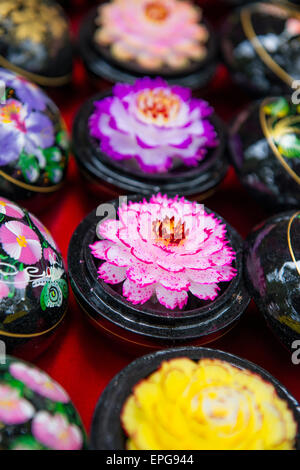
<point x="33" y="282"/>
<point x="33" y="140"/>
<point x="36" y="413"/>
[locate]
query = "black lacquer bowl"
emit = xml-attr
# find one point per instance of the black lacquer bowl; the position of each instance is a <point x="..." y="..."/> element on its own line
<point x="35" y="41"/>
<point x="261" y="45"/>
<point x="107" y="433"/>
<point x="100" y="63"/>
<point x="33" y="283"/>
<point x="150" y="326"/>
<point x="264" y="151"/>
<point x="108" y="178"/>
<point x="272" y="268"/>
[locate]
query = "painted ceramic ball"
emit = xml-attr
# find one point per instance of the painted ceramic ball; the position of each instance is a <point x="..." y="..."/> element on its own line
<point x="33" y="283"/>
<point x="35" y="41"/>
<point x="272" y="266"/>
<point x="169" y="38"/>
<point x="34" y="145"/>
<point x="265" y="151"/>
<point x="261" y="47"/>
<point x="36" y="413"/>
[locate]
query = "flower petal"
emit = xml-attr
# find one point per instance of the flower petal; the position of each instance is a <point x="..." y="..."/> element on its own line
<point x="204" y="291"/>
<point x="171" y="299"/>
<point x="142" y="274"/>
<point x="111" y="273"/>
<point x="100" y="248"/>
<point x="136" y="294"/>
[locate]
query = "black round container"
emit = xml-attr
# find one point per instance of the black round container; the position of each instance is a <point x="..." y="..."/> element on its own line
<point x="151" y="326"/>
<point x="101" y="64"/>
<point x="35" y="41"/>
<point x="260" y="48"/>
<point x="107" y="433"/>
<point x="108" y="178"/>
<point x="33" y="283"/>
<point x="272" y="268"/>
<point x="268" y="169"/>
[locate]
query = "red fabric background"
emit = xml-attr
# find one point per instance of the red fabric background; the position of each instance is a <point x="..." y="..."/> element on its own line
<point x="82" y="360"/>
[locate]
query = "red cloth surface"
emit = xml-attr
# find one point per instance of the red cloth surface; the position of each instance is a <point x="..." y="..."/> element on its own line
<point x="83" y="361"/>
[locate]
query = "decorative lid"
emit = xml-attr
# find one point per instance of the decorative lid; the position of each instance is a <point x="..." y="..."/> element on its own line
<point x="33" y="281"/>
<point x="35" y="40"/>
<point x="34" y="143"/>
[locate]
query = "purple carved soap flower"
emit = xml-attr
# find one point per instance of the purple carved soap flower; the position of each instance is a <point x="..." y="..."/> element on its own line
<point x="154" y="123"/>
<point x="165" y="248"/>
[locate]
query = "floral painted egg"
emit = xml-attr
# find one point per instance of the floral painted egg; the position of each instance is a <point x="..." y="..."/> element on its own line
<point x="265" y="151"/>
<point x="33" y="283"/>
<point x="34" y="146"/>
<point x="158" y="272"/>
<point x="261" y="47"/>
<point x="149" y="137"/>
<point x="196" y="399"/>
<point x="272" y="263"/>
<point x="169" y="38"/>
<point x="35" y="41"/>
<point x="36" y="413"/>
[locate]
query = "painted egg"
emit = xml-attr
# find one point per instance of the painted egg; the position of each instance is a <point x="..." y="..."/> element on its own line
<point x="36" y="413"/>
<point x="261" y="47"/>
<point x="265" y="151"/>
<point x="34" y="145"/>
<point x="169" y="38"/>
<point x="35" y="41"/>
<point x="33" y="282"/>
<point x="272" y="264"/>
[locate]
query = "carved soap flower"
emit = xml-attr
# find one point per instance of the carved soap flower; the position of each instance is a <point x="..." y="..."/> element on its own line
<point x="209" y="405"/>
<point x="165" y="248"/>
<point x="154" y="123"/>
<point x="152" y="33"/>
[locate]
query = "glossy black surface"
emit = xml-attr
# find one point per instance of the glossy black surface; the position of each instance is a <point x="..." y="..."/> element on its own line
<point x="151" y="325"/>
<point x="128" y="178"/>
<point x="249" y="68"/>
<point x="257" y="166"/>
<point x="100" y="63"/>
<point x="35" y="38"/>
<point x="272" y="274"/>
<point x="107" y="433"/>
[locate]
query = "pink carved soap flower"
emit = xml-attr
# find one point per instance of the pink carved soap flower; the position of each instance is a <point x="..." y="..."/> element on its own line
<point x="154" y="123"/>
<point x="39" y="382"/>
<point x="13" y="408"/>
<point x="55" y="432"/>
<point x="20" y="242"/>
<point x="154" y="33"/>
<point x="165" y="248"/>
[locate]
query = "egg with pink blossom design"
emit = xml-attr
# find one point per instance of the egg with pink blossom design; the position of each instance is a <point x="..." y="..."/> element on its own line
<point x="36" y="413"/>
<point x="33" y="282"/>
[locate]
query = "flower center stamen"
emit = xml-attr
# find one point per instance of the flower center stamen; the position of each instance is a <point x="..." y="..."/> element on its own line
<point x="10" y="113"/>
<point x="168" y="232"/>
<point x="156" y="11"/>
<point x="22" y="241"/>
<point x="157" y="106"/>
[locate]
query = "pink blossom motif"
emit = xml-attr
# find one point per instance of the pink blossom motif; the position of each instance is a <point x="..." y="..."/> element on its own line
<point x="293" y="26"/>
<point x="154" y="123"/>
<point x="164" y="248"/>
<point x="4" y="290"/>
<point x="44" y="231"/>
<point x="20" y="242"/>
<point x="10" y="209"/>
<point x="153" y="33"/>
<point x="21" y="280"/>
<point x="49" y="255"/>
<point x="39" y="382"/>
<point x="55" y="432"/>
<point x="13" y="409"/>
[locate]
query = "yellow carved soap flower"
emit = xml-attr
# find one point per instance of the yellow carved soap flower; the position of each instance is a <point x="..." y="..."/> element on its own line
<point x="206" y="405"/>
